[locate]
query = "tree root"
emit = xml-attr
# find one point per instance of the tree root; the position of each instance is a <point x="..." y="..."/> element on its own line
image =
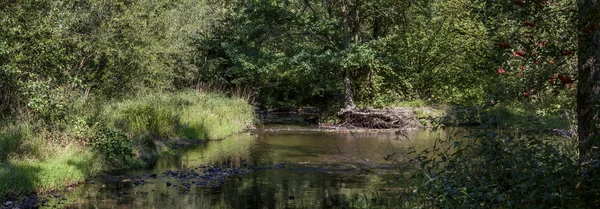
<point x="388" y="118"/>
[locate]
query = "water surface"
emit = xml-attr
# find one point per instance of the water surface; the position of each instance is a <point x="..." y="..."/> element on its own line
<point x="280" y="166"/>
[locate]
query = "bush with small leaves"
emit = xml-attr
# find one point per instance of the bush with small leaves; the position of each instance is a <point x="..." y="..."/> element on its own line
<point x="115" y="149"/>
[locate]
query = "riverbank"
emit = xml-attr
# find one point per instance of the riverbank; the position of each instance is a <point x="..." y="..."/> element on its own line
<point x="524" y="117"/>
<point x="100" y="136"/>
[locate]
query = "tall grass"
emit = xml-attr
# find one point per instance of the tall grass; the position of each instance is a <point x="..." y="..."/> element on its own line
<point x="43" y="156"/>
<point x="191" y="115"/>
<point x="30" y="160"/>
<point x="70" y="166"/>
<point x="12" y="140"/>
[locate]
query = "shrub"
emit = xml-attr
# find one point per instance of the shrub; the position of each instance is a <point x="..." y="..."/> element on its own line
<point x="498" y="171"/>
<point x="115" y="149"/>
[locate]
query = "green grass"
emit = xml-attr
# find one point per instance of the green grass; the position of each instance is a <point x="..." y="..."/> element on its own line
<point x="51" y="155"/>
<point x="538" y="115"/>
<point x="71" y="166"/>
<point x="412" y="103"/>
<point x="29" y="162"/>
<point x="189" y="115"/>
<point x="523" y="117"/>
<point x="12" y="139"/>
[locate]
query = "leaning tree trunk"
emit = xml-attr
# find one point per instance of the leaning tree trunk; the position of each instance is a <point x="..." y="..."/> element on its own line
<point x="588" y="98"/>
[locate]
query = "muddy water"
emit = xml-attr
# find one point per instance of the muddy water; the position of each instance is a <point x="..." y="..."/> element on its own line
<point x="276" y="166"/>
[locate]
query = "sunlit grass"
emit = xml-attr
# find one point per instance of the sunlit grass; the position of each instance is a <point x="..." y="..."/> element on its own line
<point x="190" y="115"/>
<point x="35" y="157"/>
<point x="69" y="166"/>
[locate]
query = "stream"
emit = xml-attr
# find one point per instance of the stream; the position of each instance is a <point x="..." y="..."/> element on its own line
<point x="274" y="166"/>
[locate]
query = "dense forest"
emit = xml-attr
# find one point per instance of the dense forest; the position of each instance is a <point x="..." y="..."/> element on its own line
<point x="87" y="74"/>
<point x="295" y="53"/>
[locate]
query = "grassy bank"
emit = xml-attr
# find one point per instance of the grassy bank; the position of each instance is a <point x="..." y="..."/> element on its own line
<point x="185" y="115"/>
<point x="521" y="115"/>
<point x="99" y="136"/>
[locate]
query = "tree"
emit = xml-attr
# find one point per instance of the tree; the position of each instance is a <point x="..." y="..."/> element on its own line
<point x="555" y="55"/>
<point x="349" y="102"/>
<point x="588" y="97"/>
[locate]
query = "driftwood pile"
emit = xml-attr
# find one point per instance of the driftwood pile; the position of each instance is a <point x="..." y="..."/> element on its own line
<point x="388" y="118"/>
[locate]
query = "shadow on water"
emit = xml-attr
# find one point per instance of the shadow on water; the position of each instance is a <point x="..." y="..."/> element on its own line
<point x="322" y="170"/>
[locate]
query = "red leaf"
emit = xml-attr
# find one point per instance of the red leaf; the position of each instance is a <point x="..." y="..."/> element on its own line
<point x="504" y="45"/>
<point x="565" y="79"/>
<point x="530" y="24"/>
<point x="520" y="3"/>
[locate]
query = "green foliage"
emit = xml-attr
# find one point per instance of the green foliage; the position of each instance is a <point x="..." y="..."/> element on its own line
<point x="530" y="41"/>
<point x="112" y="48"/>
<point x="398" y="51"/>
<point x="62" y="62"/>
<point x="290" y="53"/>
<point x="498" y="171"/>
<point x="115" y="149"/>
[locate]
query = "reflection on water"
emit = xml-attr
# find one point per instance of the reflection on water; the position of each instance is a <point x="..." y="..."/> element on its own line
<point x="322" y="170"/>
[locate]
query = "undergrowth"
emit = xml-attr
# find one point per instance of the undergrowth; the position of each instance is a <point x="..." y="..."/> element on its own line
<point x="493" y="169"/>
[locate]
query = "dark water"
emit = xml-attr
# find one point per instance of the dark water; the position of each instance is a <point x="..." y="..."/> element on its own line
<point x="281" y="166"/>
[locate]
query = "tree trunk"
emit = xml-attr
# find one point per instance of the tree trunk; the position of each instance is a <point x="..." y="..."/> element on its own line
<point x="588" y="98"/>
<point x="349" y="103"/>
<point x="376" y="22"/>
<point x="357" y="22"/>
<point x="329" y="8"/>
